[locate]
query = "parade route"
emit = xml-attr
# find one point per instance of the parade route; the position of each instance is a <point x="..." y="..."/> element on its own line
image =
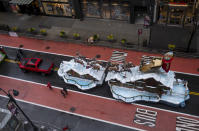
<point x="110" y="111"/>
<point x="96" y="104"/>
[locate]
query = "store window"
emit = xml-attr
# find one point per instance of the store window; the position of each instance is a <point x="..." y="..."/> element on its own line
<point x="56" y="8"/>
<point x="189" y="16"/>
<point x="176" y="12"/>
<point x="176" y="16"/>
<point x="106" y="11"/>
<point x="91" y="8"/>
<point x="120" y="11"/>
<point x="15" y="8"/>
<point x="162" y="18"/>
<point x="140" y="14"/>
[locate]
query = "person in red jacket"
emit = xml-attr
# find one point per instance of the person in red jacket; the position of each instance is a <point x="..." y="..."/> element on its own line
<point x="166" y="61"/>
<point x="65" y="128"/>
<point x="49" y="86"/>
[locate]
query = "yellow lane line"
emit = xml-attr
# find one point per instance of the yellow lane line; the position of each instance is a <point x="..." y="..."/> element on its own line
<point x="194" y="93"/>
<point x="11" y="61"/>
<point x="56" y="69"/>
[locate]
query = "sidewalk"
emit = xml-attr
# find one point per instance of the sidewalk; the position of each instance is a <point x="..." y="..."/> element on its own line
<point x="86" y="28"/>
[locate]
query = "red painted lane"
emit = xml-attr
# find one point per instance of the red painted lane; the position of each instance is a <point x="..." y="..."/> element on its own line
<point x="187" y="65"/>
<point x="91" y="106"/>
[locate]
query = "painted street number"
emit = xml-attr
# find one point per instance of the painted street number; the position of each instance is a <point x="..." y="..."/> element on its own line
<point x="145" y="117"/>
<point x="186" y="124"/>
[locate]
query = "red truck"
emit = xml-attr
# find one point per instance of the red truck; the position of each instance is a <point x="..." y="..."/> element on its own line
<point x="36" y="65"/>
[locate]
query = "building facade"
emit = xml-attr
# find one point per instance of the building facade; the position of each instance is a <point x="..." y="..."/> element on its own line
<point x="57" y="7"/>
<point x="25" y="6"/>
<point x="166" y="12"/>
<point x="176" y="12"/>
<point x="127" y="10"/>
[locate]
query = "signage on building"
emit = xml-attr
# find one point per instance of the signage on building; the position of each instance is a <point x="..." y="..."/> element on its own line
<point x="182" y="4"/>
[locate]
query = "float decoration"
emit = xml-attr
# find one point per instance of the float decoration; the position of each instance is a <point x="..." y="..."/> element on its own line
<point x="82" y="72"/>
<point x="147" y="82"/>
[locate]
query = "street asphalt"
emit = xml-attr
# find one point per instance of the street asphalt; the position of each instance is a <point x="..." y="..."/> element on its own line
<point x="58" y="120"/>
<point x="192" y="106"/>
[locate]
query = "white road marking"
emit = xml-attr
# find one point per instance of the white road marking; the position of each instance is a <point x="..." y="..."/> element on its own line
<point x="76" y="114"/>
<point x="60" y="88"/>
<point x="73" y="56"/>
<point x="186" y="73"/>
<point x="37" y="51"/>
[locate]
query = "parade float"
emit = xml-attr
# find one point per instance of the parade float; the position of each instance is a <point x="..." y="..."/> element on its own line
<point x="82" y="72"/>
<point x="151" y="81"/>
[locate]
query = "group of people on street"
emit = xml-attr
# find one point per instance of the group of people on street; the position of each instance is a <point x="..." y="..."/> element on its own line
<point x="64" y="91"/>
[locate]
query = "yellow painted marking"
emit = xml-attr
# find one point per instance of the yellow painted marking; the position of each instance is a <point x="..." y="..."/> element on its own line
<point x="11" y="61"/>
<point x="191" y="93"/>
<point x="194" y="93"/>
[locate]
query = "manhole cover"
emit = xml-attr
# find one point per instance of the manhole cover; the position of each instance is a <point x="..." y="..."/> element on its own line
<point x="72" y="109"/>
<point x="98" y="56"/>
<point x="47" y="47"/>
<point x="20" y="46"/>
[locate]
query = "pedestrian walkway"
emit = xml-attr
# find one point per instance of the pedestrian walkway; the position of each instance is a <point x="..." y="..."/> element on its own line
<point x="110" y="111"/>
<point x="179" y="64"/>
<point x="86" y="28"/>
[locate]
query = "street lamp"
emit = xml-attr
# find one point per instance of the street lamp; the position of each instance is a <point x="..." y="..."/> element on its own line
<point x="12" y="99"/>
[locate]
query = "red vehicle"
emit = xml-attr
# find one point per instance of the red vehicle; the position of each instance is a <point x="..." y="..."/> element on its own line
<point x="36" y="65"/>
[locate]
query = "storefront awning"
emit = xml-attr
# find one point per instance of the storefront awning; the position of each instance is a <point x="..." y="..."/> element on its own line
<point x="21" y="2"/>
<point x="178" y="4"/>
